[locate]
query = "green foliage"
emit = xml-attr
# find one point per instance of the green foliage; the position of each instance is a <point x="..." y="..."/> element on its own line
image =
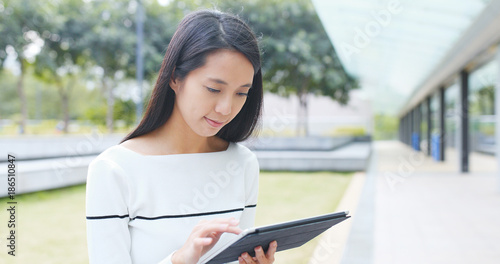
<point x="38" y="127"/>
<point x="349" y="131"/>
<point x="66" y="49"/>
<point x="20" y="23"/>
<point x="95" y="41"/>
<point x="386" y="127"/>
<point x="482" y="101"/>
<point x="112" y="42"/>
<point x="8" y="95"/>
<point x="487" y="129"/>
<point x="125" y="111"/>
<point x="298" y="56"/>
<point x="43" y="98"/>
<point x="96" y="115"/>
<point x="43" y="127"/>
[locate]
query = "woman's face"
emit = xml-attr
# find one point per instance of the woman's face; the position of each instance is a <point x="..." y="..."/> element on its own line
<point x="212" y="95"/>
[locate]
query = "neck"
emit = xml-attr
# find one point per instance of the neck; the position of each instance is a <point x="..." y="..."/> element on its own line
<point x="176" y="137"/>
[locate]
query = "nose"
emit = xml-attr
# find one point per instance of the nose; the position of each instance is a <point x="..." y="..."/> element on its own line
<point x="224" y="105"/>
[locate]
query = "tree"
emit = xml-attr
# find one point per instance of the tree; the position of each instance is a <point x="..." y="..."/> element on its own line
<point x="485" y="97"/>
<point x="98" y="37"/>
<point x="65" y="52"/>
<point x="112" y="43"/>
<point x="22" y="22"/>
<point x="159" y="27"/>
<point x="298" y="55"/>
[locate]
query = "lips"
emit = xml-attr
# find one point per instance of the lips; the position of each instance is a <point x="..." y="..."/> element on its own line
<point x="214" y="123"/>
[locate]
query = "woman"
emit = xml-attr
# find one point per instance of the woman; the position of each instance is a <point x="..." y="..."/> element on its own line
<point x="179" y="183"/>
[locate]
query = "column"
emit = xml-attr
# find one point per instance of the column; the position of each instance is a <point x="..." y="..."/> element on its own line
<point x="429" y="125"/>
<point x="442" y="131"/>
<point x="412" y="127"/>
<point x="497" y="117"/>
<point x="399" y="129"/>
<point x="403" y="129"/>
<point x="418" y="126"/>
<point x="463" y="150"/>
<point x="406" y="128"/>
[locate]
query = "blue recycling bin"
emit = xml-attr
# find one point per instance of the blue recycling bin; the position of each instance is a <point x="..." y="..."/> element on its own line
<point x="415" y="141"/>
<point x="435" y="147"/>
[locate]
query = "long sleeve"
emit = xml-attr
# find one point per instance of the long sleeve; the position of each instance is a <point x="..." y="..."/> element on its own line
<point x="108" y="236"/>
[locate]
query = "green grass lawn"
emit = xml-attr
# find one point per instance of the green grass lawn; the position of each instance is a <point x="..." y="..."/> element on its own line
<point x="285" y="196"/>
<point x="51" y="224"/>
<point x="50" y="227"/>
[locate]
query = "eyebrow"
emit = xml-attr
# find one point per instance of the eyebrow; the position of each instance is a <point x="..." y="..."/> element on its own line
<point x="225" y="83"/>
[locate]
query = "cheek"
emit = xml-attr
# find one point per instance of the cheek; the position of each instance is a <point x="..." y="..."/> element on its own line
<point x="238" y="105"/>
<point x="194" y="101"/>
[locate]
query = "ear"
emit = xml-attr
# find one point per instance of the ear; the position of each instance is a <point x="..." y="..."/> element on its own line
<point x="174" y="82"/>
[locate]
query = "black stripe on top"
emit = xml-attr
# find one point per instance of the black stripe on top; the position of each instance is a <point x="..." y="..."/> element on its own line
<point x="170" y="216"/>
<point x="106" y="216"/>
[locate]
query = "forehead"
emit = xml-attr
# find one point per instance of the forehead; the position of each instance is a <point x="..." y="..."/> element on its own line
<point x="227" y="65"/>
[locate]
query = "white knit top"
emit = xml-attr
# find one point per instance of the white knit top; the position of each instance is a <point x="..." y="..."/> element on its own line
<point x="141" y="208"/>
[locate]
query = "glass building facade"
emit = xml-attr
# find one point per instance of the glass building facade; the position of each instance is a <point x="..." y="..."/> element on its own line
<point x="423" y="127"/>
<point x="451" y="116"/>
<point x="482" y="84"/>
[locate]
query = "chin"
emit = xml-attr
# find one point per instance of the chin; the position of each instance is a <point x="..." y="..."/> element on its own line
<point x="208" y="132"/>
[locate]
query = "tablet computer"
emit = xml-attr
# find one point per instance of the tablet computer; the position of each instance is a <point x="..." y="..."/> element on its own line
<point x="288" y="235"/>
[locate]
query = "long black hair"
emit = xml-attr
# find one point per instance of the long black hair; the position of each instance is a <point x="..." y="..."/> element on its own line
<point x="199" y="34"/>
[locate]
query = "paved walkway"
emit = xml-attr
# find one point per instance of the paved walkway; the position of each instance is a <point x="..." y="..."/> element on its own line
<point x="415" y="210"/>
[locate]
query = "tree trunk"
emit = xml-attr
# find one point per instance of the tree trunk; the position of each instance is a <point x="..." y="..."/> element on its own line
<point x="22" y="98"/>
<point x="111" y="104"/>
<point x="302" y="115"/>
<point x="305" y="104"/>
<point x="65" y="109"/>
<point x="63" y="93"/>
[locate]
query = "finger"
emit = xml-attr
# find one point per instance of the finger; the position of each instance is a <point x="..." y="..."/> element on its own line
<point x="234" y="222"/>
<point x="218" y="228"/>
<point x="234" y="229"/>
<point x="259" y="254"/>
<point x="230" y="221"/>
<point x="202" y="241"/>
<point x="215" y="236"/>
<point x="248" y="259"/>
<point x="273" y="246"/>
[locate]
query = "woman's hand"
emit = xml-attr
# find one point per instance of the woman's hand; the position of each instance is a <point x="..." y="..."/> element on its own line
<point x="203" y="237"/>
<point x="260" y="257"/>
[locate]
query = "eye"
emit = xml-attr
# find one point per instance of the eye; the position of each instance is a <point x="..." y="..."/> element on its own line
<point x="243" y="94"/>
<point x="212" y="90"/>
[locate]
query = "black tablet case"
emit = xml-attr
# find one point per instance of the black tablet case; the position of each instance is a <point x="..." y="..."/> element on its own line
<point x="288" y="235"/>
